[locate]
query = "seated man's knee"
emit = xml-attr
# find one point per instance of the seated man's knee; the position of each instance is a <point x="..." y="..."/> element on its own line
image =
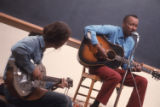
<point x="67" y="101"/>
<point x="143" y="82"/>
<point x="117" y="78"/>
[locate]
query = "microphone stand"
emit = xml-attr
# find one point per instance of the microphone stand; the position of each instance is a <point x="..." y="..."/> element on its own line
<point x="126" y="72"/>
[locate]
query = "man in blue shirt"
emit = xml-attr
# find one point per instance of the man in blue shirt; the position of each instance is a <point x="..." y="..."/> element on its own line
<point x="27" y="53"/>
<point x="111" y="77"/>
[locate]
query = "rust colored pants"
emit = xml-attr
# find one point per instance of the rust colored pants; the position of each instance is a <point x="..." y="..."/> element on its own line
<point x="111" y="77"/>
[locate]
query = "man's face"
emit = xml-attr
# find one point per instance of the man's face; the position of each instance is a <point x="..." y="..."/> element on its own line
<point x="130" y="25"/>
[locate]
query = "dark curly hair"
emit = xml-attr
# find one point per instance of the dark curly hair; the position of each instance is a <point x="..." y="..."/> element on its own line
<point x="56" y="32"/>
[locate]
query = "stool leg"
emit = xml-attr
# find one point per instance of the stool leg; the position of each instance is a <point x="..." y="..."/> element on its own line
<point x="75" y="95"/>
<point x="89" y="93"/>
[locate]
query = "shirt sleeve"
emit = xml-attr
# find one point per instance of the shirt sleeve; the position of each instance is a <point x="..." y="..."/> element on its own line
<point x="99" y="29"/>
<point x="92" y="30"/>
<point x="23" y="60"/>
<point x="49" y="85"/>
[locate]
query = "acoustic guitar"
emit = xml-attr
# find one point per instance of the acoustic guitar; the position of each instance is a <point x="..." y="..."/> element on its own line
<point x="89" y="56"/>
<point x="21" y="84"/>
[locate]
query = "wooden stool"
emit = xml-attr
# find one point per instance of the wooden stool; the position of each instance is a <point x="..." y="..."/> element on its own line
<point x="93" y="78"/>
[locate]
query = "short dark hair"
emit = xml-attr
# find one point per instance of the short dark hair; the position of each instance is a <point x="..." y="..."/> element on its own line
<point x="56" y="32"/>
<point x="127" y="16"/>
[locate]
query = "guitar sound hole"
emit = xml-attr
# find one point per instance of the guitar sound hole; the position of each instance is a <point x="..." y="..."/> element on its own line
<point x="111" y="55"/>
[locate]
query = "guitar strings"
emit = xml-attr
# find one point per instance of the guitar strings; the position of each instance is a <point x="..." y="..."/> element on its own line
<point x="66" y="91"/>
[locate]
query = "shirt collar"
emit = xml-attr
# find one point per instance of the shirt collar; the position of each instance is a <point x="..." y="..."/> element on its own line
<point x="121" y="34"/>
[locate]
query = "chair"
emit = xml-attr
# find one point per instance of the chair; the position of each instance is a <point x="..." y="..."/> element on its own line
<point x="93" y="78"/>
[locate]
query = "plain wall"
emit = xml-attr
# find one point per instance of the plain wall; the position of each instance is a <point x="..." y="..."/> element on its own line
<point x="63" y="63"/>
<point x="80" y="13"/>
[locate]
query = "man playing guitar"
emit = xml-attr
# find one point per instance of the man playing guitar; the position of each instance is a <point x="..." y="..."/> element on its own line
<point x="26" y="54"/>
<point x="121" y="36"/>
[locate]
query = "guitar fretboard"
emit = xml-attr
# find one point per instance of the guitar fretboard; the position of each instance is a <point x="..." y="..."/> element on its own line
<point x="153" y="73"/>
<point x="119" y="58"/>
<point x="52" y="79"/>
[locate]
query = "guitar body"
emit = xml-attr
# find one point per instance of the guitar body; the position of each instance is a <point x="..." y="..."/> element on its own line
<point x="22" y="85"/>
<point x="88" y="54"/>
<point x="18" y="85"/>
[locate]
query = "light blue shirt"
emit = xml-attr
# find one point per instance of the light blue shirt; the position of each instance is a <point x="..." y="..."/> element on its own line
<point x="114" y="34"/>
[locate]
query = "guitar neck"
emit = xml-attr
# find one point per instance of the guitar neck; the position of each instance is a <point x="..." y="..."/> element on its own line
<point x="153" y="73"/>
<point x="147" y="70"/>
<point x="58" y="80"/>
<point x="119" y="58"/>
<point x="51" y="79"/>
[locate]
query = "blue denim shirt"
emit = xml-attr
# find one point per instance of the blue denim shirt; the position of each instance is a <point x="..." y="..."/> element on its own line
<point x="114" y="34"/>
<point x="28" y="52"/>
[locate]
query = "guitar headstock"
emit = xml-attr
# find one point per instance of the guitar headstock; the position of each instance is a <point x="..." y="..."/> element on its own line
<point x="70" y="82"/>
<point x="156" y="74"/>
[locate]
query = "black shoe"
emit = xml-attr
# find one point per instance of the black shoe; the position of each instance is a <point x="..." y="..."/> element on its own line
<point x="93" y="105"/>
